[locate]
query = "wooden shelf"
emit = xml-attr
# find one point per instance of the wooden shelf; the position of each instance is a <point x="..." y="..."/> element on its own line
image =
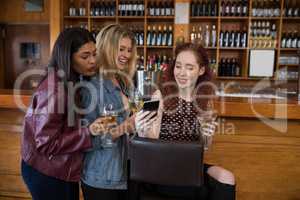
<point x="204" y="18"/>
<point x="291" y="18"/>
<point x="211" y="48"/>
<point x="140" y="47"/>
<point x="289" y="65"/>
<point x="233" y="48"/>
<point x="290" y="49"/>
<point x="131" y="17"/>
<point x="160" y="47"/>
<point x="160" y="17"/>
<point x="234" y="18"/>
<point x="265" y="18"/>
<point x="103" y="17"/>
<point x="76" y="17"/>
<point x="251" y="48"/>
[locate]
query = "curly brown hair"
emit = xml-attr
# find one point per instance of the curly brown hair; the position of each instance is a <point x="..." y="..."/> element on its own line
<point x="203" y="92"/>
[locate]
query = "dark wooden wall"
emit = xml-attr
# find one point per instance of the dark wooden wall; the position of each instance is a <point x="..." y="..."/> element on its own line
<point x="12" y="11"/>
<point x="15" y="35"/>
<point x="1" y="57"/>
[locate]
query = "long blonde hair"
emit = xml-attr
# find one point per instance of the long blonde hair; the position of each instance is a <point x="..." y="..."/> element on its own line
<point x="107" y="43"/>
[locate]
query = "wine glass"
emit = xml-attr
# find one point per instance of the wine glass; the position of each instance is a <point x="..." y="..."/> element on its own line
<point x="208" y="124"/>
<point x="109" y="119"/>
<point x="135" y="101"/>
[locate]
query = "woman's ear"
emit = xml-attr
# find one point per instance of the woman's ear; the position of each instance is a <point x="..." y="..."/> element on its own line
<point x="201" y="71"/>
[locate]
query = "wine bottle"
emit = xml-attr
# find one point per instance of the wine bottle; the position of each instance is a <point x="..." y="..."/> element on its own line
<point x="154" y="36"/>
<point x="149" y="36"/>
<point x="170" y="36"/>
<point x="72" y="9"/>
<point x="213" y="36"/>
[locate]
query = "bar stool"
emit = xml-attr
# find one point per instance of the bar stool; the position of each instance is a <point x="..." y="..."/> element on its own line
<point x="163" y="163"/>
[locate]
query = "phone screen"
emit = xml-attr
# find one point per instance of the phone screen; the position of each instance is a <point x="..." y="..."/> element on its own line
<point x="151" y="105"/>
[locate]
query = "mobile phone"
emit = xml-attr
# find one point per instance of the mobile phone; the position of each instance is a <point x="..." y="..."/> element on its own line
<point x="151" y="105"/>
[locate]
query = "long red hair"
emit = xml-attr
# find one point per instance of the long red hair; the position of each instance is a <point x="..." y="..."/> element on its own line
<point x="203" y="92"/>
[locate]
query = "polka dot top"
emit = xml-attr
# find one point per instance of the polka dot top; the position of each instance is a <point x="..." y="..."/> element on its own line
<point x="180" y="124"/>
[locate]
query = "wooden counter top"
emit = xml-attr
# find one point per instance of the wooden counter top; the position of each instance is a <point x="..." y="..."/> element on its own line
<point x="226" y="106"/>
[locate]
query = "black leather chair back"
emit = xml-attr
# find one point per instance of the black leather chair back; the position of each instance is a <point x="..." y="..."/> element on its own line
<point x="166" y="163"/>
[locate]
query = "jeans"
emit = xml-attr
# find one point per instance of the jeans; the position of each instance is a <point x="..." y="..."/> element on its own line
<point x="44" y="187"/>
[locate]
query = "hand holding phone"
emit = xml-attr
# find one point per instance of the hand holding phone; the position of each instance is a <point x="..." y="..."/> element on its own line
<point x="144" y="121"/>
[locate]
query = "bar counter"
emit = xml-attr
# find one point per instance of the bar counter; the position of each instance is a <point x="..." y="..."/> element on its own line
<point x="262" y="155"/>
<point x="226" y="106"/>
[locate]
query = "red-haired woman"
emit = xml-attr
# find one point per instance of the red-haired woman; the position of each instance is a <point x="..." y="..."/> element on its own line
<point x="184" y="96"/>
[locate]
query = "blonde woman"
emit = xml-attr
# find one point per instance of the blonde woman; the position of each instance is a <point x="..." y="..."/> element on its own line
<point x="105" y="166"/>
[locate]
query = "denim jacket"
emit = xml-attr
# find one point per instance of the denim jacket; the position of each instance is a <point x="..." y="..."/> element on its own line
<point x="105" y="165"/>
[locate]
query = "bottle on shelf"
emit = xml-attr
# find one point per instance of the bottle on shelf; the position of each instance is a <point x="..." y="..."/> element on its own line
<point x="193" y="34"/>
<point x="97" y="8"/>
<point x="82" y="10"/>
<point x="296" y="9"/>
<point x="193" y="8"/>
<point x="294" y="39"/>
<point x="229" y="67"/>
<point x="157" y="8"/>
<point x="72" y="9"/>
<point x="233" y="39"/>
<point x="151" y="9"/>
<point x="222" y="8"/>
<point x="233" y="9"/>
<point x="140" y="63"/>
<point x="157" y="62"/>
<point x="163" y="8"/>
<point x="153" y="36"/>
<point x="263" y="34"/>
<point x="159" y="37"/>
<point x="214" y="8"/>
<point x="291" y="8"/>
<point x="113" y="8"/>
<point x="244" y="38"/>
<point x="149" y="36"/>
<point x="92" y="8"/>
<point x="103" y="7"/>
<point x="221" y="38"/>
<point x="227" y="8"/>
<point x="170" y="36"/>
<point x="245" y="8"/>
<point x="164" y="36"/>
<point x="239" y="8"/>
<point x="214" y="36"/>
<point x="199" y="36"/>
<point x="160" y="8"/>
<point x="283" y="40"/>
<point x="290" y="39"/>
<point x="207" y="36"/>
<point x="277" y="8"/>
<point x="139" y="35"/>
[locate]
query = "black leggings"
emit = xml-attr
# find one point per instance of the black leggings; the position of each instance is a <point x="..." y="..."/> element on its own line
<point x="44" y="187"/>
<point x="211" y="190"/>
<point x="91" y="193"/>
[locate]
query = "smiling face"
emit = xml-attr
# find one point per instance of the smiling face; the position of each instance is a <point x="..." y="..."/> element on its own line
<point x="84" y="60"/>
<point x="124" y="53"/>
<point x="187" y="70"/>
